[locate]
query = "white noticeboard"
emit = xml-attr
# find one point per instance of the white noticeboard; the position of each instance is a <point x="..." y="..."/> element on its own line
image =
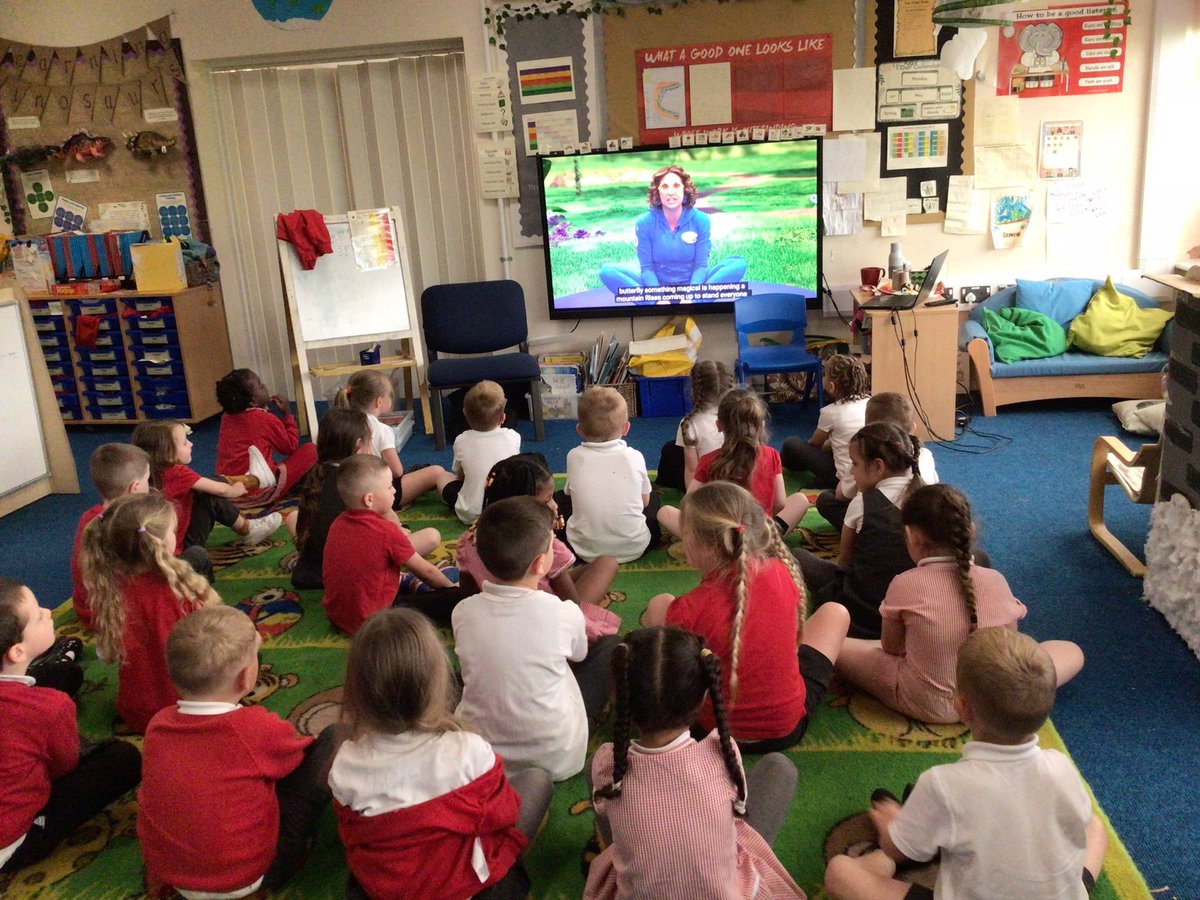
<point x="22" y="449"/>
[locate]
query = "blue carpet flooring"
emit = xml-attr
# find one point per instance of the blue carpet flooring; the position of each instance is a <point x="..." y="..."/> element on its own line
<point x="1131" y="719"/>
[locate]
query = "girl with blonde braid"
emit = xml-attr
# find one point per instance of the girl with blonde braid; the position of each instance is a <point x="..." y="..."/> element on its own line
<point x="679" y="816"/>
<point x="137" y="590"/>
<point x="749" y="607"/>
<point x="929" y="611"/>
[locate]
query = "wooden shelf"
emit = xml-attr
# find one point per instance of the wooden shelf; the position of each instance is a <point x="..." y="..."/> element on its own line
<point x="337" y="370"/>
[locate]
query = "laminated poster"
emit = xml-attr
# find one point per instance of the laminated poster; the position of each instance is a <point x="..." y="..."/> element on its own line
<point x="1064" y="51"/>
<point x="1061" y="150"/>
<point x="374" y="239"/>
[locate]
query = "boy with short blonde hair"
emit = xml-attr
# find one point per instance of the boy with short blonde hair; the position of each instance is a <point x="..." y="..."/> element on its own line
<point x="231" y="795"/>
<point x="116" y="469"/>
<point x="1009" y="819"/>
<point x="607" y="498"/>
<point x="366" y="551"/>
<point x="478" y="449"/>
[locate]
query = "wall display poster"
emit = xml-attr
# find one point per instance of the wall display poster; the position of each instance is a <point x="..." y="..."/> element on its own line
<point x="173" y="215"/>
<point x="1061" y="150"/>
<point x="373" y="237"/>
<point x="546" y="80"/>
<point x="68" y="215"/>
<point x="913" y="30"/>
<point x="551" y="131"/>
<point x="768" y="82"/>
<point x="917" y="90"/>
<point x="38" y="193"/>
<point x="498" y="168"/>
<point x="491" y="106"/>
<point x="918" y="147"/>
<point x="1011" y="211"/>
<point x="1068" y="50"/>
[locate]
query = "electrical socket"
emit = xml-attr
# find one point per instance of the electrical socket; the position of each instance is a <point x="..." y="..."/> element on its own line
<point x="975" y="293"/>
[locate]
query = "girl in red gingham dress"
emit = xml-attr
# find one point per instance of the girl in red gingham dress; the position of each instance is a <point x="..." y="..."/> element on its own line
<point x="680" y="817"/>
<point x="929" y="611"/>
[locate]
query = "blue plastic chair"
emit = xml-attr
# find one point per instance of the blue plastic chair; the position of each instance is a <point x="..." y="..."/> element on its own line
<point x="761" y="313"/>
<point x="477" y="317"/>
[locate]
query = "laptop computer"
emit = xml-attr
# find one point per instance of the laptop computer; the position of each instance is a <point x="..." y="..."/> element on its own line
<point x="908" y="301"/>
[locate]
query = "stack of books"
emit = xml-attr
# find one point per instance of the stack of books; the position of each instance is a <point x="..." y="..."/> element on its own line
<point x="606" y="362"/>
<point x="562" y="383"/>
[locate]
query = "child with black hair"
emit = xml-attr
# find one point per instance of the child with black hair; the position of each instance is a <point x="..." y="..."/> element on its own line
<point x="884" y="463"/>
<point x="680" y="817"/>
<point x="928" y="612"/>
<point x="256" y="425"/>
<point x="48" y="787"/>
<point x="825" y="454"/>
<point x="516" y="645"/>
<point x="750" y="609"/>
<point x="526" y="475"/>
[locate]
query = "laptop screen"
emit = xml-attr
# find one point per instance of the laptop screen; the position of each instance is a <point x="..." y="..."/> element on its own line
<point x="931" y="276"/>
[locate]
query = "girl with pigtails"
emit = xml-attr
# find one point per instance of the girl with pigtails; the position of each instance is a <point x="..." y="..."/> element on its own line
<point x="137" y="590"/>
<point x="679" y="816"/>
<point x="749" y="608"/>
<point x="929" y="611"/>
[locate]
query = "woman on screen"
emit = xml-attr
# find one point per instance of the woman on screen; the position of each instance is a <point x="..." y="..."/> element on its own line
<point x="673" y="242"/>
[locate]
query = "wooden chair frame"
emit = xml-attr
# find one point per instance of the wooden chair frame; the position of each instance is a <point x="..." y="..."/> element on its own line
<point x="1105" y="451"/>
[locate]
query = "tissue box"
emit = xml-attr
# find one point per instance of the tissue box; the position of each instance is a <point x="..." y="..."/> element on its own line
<point x="158" y="267"/>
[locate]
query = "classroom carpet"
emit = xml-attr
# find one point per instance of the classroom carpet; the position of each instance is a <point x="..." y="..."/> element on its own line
<point x="852" y="746"/>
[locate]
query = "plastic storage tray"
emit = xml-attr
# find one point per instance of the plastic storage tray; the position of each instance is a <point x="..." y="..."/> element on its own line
<point x="68" y="404"/>
<point x="101" y="355"/>
<point x="93" y="306"/>
<point x="110" y="406"/>
<point x="114" y="369"/>
<point x="106" y="385"/>
<point x="149" y="372"/>
<point x="153" y="341"/>
<point x="164" y="410"/>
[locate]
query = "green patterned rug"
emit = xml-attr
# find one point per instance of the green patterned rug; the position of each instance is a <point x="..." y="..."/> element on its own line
<point x="853" y="745"/>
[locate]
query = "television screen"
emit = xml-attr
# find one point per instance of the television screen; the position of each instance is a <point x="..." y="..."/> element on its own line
<point x="632" y="231"/>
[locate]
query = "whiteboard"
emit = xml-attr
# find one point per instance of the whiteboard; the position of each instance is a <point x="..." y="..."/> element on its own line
<point x="22" y="450"/>
<point x="336" y="299"/>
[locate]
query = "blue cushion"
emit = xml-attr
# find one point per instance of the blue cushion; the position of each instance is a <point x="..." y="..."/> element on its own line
<point x="1061" y="300"/>
<point x="505" y="367"/>
<point x="1073" y="363"/>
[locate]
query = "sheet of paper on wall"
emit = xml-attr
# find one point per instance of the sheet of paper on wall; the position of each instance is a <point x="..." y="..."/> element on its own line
<point x="841" y="213"/>
<point x="1077" y="202"/>
<point x="1003" y="165"/>
<point x="545" y="80"/>
<point x="68" y="215"/>
<point x="997" y="120"/>
<point x="491" y="106"/>
<point x="546" y="132"/>
<point x="854" y="99"/>
<point x="870" y="179"/>
<point x="1011" y="212"/>
<point x="711" y="92"/>
<point x="893" y="226"/>
<point x="374" y="239"/>
<point x="918" y="146"/>
<point x="498" y="168"/>
<point x="917" y="90"/>
<point x="912" y="205"/>
<point x="890" y="200"/>
<point x="664" y="98"/>
<point x="913" y="32"/>
<point x="128" y="215"/>
<point x="844" y="159"/>
<point x="966" y="208"/>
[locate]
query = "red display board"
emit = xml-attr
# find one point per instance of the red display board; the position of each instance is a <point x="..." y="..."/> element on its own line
<point x="766" y="82"/>
<point x="1063" y="51"/>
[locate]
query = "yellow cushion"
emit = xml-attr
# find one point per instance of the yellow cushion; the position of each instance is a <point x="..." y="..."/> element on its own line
<point x="1114" y="325"/>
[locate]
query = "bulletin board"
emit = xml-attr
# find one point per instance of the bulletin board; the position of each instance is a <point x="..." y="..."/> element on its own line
<point x="115" y="88"/>
<point x="710" y="23"/>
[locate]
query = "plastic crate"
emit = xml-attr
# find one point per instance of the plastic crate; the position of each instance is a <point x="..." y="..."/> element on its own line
<point x="165" y="322"/>
<point x="164" y="410"/>
<point x="163" y="385"/>
<point x="109" y="406"/>
<point x="174" y="398"/>
<point x="148" y="372"/>
<point x="64" y="383"/>
<point x="56" y="355"/>
<point x="114" y="369"/>
<point x="101" y="355"/>
<point x="153" y="354"/>
<point x="53" y="342"/>
<point x="68" y="405"/>
<point x="49" y="325"/>
<point x="60" y="370"/>
<point x="93" y="306"/>
<point x="107" y="385"/>
<point x="147" y="304"/>
<point x="153" y="341"/>
<point x="670" y="396"/>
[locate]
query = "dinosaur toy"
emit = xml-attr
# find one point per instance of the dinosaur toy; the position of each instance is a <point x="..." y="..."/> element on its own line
<point x="148" y="144"/>
<point x="25" y="157"/>
<point x="84" y="147"/>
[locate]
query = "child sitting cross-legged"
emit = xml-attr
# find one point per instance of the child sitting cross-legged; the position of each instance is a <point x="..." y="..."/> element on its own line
<point x="516" y="645"/>
<point x="607" y="501"/>
<point x="424" y="807"/>
<point x="366" y="550"/>
<point x="479" y="448"/>
<point x="1009" y="819"/>
<point x="48" y="785"/>
<point x="231" y="794"/>
<point x="680" y="817"/>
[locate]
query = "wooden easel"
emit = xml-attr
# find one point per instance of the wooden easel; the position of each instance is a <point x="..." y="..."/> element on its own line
<point x="336" y="304"/>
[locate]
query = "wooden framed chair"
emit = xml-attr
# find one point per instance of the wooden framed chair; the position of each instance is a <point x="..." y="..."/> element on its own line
<point x="478" y="317"/>
<point x="1137" y="474"/>
<point x="761" y="313"/>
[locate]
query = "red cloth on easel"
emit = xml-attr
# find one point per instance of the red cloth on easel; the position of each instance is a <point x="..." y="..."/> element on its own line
<point x="305" y="230"/>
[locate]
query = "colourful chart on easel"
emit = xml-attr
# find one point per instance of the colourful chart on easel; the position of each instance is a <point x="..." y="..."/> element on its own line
<point x="374" y="239"/>
<point x="918" y="146"/>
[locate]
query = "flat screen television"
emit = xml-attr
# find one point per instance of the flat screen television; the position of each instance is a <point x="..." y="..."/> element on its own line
<point x="723" y="222"/>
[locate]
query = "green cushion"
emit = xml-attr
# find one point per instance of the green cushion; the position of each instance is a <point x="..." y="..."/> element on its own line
<point x="1018" y="334"/>
<point x="1114" y="325"/>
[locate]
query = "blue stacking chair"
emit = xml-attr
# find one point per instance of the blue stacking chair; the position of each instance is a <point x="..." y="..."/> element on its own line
<point x="477" y="317"/>
<point x="761" y="313"/>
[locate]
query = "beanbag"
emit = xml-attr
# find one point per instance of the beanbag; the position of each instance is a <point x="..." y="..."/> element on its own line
<point x="1060" y="300"/>
<point x="1018" y="334"/>
<point x="1114" y="325"/>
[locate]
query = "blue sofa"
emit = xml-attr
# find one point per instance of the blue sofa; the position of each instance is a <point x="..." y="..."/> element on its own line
<point x="1070" y="374"/>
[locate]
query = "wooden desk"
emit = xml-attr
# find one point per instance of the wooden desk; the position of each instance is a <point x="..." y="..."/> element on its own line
<point x="915" y="352"/>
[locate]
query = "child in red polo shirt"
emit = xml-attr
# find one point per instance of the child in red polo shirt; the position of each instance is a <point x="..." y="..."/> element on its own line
<point x="47" y="787"/>
<point x="231" y="794"/>
<point x="365" y="551"/>
<point x="199" y="502"/>
<point x="138" y="589"/>
<point x="116" y="470"/>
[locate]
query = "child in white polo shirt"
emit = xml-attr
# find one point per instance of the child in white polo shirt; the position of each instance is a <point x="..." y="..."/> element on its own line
<point x="607" y="502"/>
<point x="532" y="687"/>
<point x="478" y="449"/>
<point x="1009" y="819"/>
